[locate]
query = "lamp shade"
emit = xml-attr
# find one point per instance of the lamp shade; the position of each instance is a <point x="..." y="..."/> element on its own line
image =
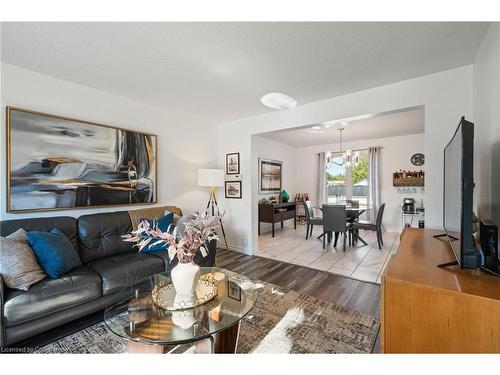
<point x="210" y="177"/>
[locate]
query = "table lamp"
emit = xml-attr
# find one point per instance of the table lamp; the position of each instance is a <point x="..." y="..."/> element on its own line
<point x="212" y="178"/>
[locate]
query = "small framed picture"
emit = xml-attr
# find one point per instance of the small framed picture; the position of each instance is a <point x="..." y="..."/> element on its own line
<point x="233" y="189"/>
<point x="233" y="290"/>
<point x="233" y="163"/>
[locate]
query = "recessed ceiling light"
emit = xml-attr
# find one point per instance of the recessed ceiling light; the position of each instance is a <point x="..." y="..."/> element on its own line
<point x="316" y="128"/>
<point x="278" y="100"/>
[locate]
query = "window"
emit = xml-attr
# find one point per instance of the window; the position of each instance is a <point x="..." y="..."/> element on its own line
<point x="336" y="180"/>
<point x="348" y="182"/>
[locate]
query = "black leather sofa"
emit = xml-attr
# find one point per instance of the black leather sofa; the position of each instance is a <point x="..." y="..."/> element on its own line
<point x="109" y="266"/>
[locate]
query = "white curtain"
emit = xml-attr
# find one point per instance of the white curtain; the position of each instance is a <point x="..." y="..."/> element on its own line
<point x="321" y="188"/>
<point x="373" y="182"/>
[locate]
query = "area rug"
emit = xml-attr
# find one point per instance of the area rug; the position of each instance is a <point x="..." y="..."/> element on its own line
<point x="282" y="321"/>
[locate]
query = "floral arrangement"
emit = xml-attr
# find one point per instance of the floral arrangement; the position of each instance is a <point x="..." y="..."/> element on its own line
<point x="199" y="229"/>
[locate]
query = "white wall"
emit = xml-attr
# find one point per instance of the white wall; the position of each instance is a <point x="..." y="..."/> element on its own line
<point x="446" y="96"/>
<point x="268" y="149"/>
<point x="184" y="143"/>
<point x="487" y="124"/>
<point x="395" y="155"/>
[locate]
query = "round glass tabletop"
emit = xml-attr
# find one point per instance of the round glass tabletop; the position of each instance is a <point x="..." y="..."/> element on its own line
<point x="139" y="319"/>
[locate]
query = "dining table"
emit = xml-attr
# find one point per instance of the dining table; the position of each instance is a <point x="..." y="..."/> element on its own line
<point x="352" y="213"/>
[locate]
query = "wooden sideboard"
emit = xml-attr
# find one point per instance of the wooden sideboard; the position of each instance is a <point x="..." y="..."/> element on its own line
<point x="279" y="212"/>
<point x="426" y="309"/>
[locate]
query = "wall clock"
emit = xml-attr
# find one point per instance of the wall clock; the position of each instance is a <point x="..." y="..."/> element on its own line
<point x="418" y="159"/>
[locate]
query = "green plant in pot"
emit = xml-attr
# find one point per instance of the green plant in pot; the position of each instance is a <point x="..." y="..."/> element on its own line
<point x="285" y="197"/>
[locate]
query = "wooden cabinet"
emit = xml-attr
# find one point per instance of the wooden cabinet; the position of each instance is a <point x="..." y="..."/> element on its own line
<point x="426" y="309"/>
<point x="276" y="213"/>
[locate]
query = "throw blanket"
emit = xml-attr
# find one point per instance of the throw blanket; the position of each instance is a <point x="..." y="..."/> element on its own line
<point x="151" y="213"/>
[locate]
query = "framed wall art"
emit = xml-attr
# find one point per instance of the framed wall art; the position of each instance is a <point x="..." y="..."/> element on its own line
<point x="270" y="177"/>
<point x="233" y="163"/>
<point x="56" y="163"/>
<point x="233" y="290"/>
<point x="233" y="189"/>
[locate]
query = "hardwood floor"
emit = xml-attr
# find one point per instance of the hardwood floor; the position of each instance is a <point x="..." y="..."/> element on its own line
<point x="357" y="295"/>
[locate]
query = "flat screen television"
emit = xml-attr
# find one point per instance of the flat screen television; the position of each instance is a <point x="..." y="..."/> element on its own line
<point x="458" y="194"/>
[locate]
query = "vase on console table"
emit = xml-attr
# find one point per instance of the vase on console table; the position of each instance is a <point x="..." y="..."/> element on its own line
<point x="285" y="197"/>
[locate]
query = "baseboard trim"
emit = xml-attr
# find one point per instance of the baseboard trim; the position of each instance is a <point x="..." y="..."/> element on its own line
<point x="237" y="248"/>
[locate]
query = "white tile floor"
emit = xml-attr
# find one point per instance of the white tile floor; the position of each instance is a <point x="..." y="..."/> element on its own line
<point x="359" y="262"/>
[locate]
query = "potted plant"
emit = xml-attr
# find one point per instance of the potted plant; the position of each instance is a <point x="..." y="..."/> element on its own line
<point x="199" y="230"/>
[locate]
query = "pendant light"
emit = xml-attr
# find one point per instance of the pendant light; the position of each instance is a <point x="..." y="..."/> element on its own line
<point x="347" y="155"/>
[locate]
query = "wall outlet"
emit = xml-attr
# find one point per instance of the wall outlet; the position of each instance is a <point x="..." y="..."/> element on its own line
<point x="245" y="240"/>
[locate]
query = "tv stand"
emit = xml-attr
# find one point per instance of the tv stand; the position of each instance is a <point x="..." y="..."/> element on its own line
<point x="428" y="309"/>
<point x="445" y="235"/>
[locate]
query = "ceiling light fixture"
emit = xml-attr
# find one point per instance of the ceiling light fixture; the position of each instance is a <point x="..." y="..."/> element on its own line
<point x="278" y="100"/>
<point x="316" y="128"/>
<point x="347" y="157"/>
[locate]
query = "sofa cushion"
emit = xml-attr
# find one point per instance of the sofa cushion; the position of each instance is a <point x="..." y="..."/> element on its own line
<point x="54" y="252"/>
<point x="100" y="235"/>
<point x="163" y="224"/>
<point x="18" y="265"/>
<point x="51" y="295"/>
<point x="66" y="224"/>
<point x="120" y="271"/>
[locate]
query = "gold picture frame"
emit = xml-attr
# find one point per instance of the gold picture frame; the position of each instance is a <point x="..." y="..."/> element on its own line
<point x="149" y="156"/>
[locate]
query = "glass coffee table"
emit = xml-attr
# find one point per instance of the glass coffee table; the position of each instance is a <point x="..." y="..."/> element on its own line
<point x="212" y="326"/>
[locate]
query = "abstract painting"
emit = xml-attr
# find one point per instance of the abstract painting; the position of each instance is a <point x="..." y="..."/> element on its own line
<point x="269" y="176"/>
<point x="58" y="163"/>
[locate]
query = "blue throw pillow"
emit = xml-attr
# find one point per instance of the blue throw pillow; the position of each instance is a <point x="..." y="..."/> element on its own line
<point x="54" y="252"/>
<point x="163" y="223"/>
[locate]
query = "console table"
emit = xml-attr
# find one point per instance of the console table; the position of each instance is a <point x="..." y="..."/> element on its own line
<point x="279" y="212"/>
<point x="426" y="309"/>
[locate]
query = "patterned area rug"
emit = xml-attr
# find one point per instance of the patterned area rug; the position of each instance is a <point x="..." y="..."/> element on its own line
<point x="282" y="321"/>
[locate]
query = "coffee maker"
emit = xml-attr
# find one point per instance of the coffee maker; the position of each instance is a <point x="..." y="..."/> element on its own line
<point x="408" y="205"/>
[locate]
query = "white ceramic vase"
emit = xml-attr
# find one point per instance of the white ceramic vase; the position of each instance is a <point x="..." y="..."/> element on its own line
<point x="185" y="278"/>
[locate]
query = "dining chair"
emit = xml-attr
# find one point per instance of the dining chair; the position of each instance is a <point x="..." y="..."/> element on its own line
<point x="334" y="221"/>
<point x="365" y="225"/>
<point x="351" y="218"/>
<point x="352" y="202"/>
<point x="311" y="221"/>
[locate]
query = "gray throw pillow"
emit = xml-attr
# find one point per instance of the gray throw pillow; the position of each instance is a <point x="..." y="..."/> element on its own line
<point x="18" y="264"/>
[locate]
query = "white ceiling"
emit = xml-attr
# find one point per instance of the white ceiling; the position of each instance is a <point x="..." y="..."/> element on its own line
<point x="220" y="70"/>
<point x="410" y="121"/>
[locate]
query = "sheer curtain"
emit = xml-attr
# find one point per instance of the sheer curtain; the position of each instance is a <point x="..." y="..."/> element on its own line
<point x="321" y="178"/>
<point x="373" y="182"/>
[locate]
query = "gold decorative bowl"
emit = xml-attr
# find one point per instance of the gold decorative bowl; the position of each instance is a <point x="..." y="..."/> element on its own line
<point x="163" y="294"/>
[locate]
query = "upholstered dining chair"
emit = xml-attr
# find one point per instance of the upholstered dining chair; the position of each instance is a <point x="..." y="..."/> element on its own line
<point x="334" y="221"/>
<point x="352" y="218"/>
<point x="377" y="226"/>
<point x="352" y="202"/>
<point x="311" y="220"/>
